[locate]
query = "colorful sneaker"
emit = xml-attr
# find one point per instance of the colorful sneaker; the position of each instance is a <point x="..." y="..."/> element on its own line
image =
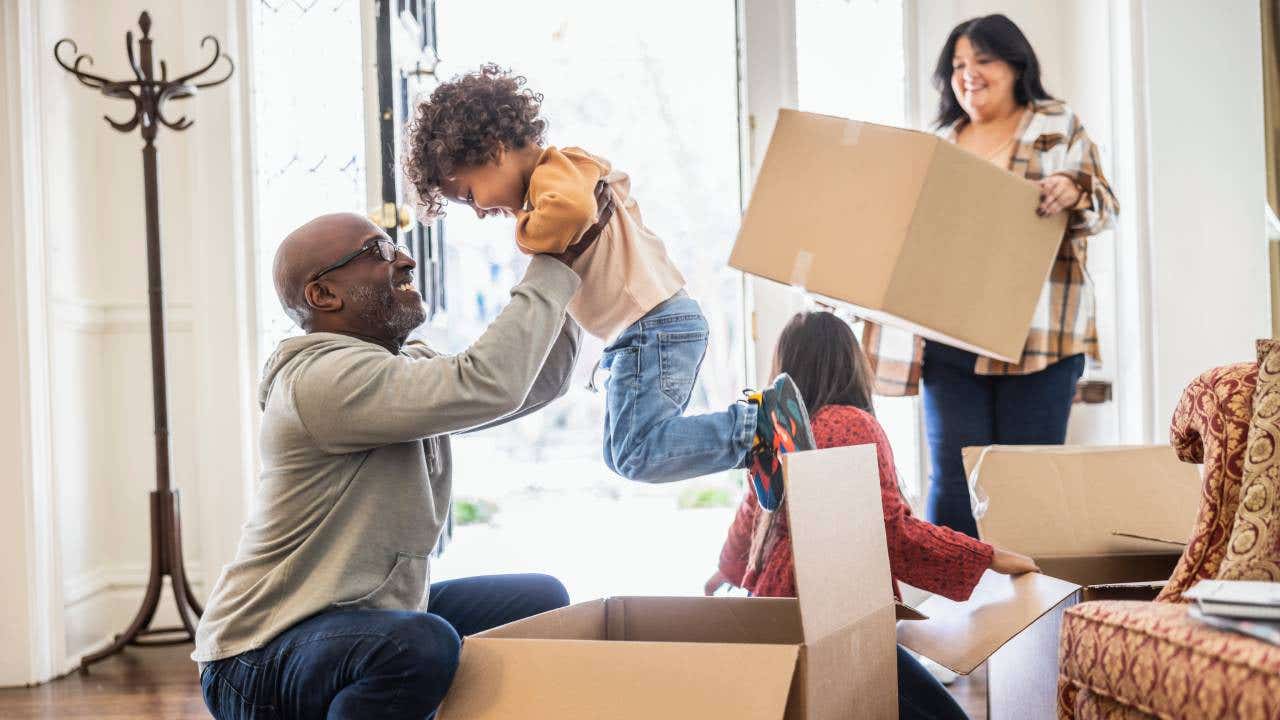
<point x="782" y="426"/>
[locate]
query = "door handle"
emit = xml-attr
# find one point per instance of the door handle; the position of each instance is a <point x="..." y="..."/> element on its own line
<point x="390" y="216"/>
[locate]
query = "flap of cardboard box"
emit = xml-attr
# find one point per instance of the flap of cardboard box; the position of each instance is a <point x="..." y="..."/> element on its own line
<point x="837" y="525"/>
<point x="1055" y="501"/>
<point x="704" y="619"/>
<point x="581" y="621"/>
<point x="1109" y="569"/>
<point x="587" y="680"/>
<point x="915" y="328"/>
<point x="962" y="635"/>
<point x="1148" y="538"/>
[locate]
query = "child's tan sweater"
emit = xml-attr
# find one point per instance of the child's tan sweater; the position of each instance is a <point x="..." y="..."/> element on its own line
<point x="626" y="272"/>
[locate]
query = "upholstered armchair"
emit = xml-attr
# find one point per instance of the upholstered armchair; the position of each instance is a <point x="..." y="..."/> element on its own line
<point x="1125" y="660"/>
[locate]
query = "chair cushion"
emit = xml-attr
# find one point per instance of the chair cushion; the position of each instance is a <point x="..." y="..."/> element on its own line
<point x="1254" y="550"/>
<point x="1154" y="659"/>
<point x="1089" y="705"/>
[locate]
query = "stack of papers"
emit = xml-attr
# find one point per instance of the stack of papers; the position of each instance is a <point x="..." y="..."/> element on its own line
<point x="1246" y="599"/>
<point x="1261" y="629"/>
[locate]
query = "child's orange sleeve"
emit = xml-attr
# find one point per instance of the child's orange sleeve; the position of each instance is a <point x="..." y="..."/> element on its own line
<point x="562" y="198"/>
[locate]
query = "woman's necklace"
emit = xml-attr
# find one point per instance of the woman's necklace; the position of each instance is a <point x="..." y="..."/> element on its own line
<point x="1002" y="150"/>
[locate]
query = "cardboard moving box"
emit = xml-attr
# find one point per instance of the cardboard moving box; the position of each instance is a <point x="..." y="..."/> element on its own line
<point x="962" y="635"/>
<point x="1113" y="520"/>
<point x="910" y="229"/>
<point x="827" y="654"/>
<point x="815" y="657"/>
<point x="1093" y="515"/>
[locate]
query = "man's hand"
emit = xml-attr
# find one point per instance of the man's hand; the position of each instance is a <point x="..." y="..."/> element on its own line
<point x="604" y="213"/>
<point x="714" y="583"/>
<point x="1007" y="562"/>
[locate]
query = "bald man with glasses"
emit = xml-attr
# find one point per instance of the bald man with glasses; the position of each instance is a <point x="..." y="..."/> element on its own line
<point x="327" y="609"/>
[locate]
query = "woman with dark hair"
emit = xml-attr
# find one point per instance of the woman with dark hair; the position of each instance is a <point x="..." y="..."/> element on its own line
<point x="821" y="354"/>
<point x="994" y="105"/>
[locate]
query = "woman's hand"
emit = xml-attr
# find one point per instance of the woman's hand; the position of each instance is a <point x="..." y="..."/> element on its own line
<point x="1057" y="193"/>
<point x="1007" y="562"/>
<point x="714" y="583"/>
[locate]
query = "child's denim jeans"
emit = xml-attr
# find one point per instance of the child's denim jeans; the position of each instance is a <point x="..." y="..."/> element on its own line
<point x="652" y="369"/>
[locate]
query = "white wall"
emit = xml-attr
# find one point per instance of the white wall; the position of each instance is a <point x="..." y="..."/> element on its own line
<point x="94" y="287"/>
<point x="1210" y="297"/>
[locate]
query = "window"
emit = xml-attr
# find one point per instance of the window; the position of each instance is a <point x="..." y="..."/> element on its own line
<point x="309" y="133"/>
<point x="658" y="99"/>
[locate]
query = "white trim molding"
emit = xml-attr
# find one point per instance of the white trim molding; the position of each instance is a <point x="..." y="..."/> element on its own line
<point x="31" y="628"/>
<point x="769" y="82"/>
<point x="86" y="586"/>
<point x="101" y="318"/>
<point x="100" y="602"/>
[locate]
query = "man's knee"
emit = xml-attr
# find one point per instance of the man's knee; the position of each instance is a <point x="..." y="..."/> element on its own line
<point x="544" y="593"/>
<point x="427" y="647"/>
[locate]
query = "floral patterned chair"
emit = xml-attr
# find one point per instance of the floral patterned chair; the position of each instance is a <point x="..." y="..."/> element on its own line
<point x="1124" y="660"/>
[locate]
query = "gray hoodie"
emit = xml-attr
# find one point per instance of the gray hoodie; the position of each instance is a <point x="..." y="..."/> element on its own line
<point x="346" y="509"/>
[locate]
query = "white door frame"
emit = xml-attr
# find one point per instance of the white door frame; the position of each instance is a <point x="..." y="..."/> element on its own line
<point x="769" y="82"/>
<point x="31" y="630"/>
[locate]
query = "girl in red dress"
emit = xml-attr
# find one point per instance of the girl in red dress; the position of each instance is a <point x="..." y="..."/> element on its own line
<point x="821" y="354"/>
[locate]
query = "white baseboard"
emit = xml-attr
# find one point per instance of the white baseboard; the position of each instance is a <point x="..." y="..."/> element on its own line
<point x="102" y="602"/>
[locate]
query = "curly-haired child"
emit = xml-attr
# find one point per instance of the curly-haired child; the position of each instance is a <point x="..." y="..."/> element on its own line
<point x="479" y="141"/>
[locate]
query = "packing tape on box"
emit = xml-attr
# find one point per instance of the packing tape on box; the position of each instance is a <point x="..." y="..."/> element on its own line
<point x="978" y="500"/>
<point x="800" y="270"/>
<point x="852" y="131"/>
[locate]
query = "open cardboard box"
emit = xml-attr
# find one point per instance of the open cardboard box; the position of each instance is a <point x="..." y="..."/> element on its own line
<point x="827" y="654"/>
<point x="808" y="658"/>
<point x="908" y="228"/>
<point x="1110" y="520"/>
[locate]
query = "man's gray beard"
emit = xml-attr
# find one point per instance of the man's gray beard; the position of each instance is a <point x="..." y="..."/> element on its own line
<point x="381" y="310"/>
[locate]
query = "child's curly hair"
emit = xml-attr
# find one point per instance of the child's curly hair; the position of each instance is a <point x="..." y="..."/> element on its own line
<point x="462" y="125"/>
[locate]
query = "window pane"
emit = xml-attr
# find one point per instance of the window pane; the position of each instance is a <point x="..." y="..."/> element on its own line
<point x="308" y="107"/>
<point x="658" y="98"/>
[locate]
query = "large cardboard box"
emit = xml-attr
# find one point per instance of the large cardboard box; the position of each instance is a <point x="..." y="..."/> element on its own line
<point x="910" y="229"/>
<point x="1113" y="520"/>
<point x="635" y="658"/>
<point x="1092" y="515"/>
<point x="827" y="654"/>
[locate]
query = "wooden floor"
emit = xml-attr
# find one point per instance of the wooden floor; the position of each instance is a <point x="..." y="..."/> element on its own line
<point x="970" y="692"/>
<point x="162" y="683"/>
<point x="138" y="683"/>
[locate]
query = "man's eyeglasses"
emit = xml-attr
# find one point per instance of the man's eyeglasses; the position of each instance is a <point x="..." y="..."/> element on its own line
<point x="386" y="250"/>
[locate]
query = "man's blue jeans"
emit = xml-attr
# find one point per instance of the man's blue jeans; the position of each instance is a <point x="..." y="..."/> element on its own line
<point x="388" y="664"/>
<point x="963" y="409"/>
<point x="653" y="366"/>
